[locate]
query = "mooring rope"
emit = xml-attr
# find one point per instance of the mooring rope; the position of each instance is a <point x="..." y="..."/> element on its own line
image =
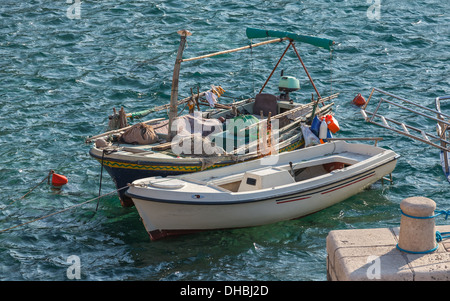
<point x="37" y="185"/>
<point x="61" y="211"/>
<point x="439" y="212"/>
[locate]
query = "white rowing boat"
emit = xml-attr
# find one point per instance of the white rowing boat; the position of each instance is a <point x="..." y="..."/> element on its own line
<point x="275" y="188"/>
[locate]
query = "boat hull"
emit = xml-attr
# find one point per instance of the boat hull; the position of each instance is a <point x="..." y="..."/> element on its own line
<point x="163" y="218"/>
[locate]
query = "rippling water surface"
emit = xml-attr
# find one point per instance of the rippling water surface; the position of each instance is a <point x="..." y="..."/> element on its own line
<point x="61" y="76"/>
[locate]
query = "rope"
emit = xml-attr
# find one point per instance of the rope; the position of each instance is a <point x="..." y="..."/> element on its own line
<point x="331" y="71"/>
<point x="101" y="177"/>
<point x="251" y="66"/>
<point x="424" y="252"/>
<point x="61" y="211"/>
<point x="440" y="212"/>
<point x="439" y="235"/>
<point x="43" y="180"/>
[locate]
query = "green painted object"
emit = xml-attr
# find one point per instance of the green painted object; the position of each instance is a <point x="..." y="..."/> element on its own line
<point x="253" y="33"/>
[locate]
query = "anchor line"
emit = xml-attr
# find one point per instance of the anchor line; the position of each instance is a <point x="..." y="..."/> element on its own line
<point x="31" y="190"/>
<point x="61" y="211"/>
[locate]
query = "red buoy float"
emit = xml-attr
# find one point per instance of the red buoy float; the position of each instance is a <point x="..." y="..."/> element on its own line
<point x="59" y="180"/>
<point x="359" y="100"/>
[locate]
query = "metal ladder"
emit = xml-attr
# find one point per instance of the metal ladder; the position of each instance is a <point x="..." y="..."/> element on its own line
<point x="439" y="141"/>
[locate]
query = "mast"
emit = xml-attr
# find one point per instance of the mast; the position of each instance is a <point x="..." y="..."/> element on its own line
<point x="176" y="74"/>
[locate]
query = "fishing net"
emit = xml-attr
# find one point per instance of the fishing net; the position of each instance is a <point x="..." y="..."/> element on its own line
<point x="140" y="133"/>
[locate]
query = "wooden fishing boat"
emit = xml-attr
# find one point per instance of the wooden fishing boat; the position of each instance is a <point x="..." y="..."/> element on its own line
<point x="282" y="115"/>
<point x="253" y="193"/>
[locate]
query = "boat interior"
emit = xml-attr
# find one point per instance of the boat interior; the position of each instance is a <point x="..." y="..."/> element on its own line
<point x="263" y="106"/>
<point x="274" y="176"/>
<point x="252" y="111"/>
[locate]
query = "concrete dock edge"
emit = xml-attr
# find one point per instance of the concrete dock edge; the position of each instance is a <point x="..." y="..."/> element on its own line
<point x="371" y="254"/>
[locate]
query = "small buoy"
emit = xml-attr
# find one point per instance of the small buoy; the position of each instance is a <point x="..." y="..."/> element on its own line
<point x="359" y="100"/>
<point x="59" y="180"/>
<point x="332" y="124"/>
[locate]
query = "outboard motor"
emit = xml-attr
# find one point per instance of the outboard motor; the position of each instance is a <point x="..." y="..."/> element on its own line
<point x="286" y="85"/>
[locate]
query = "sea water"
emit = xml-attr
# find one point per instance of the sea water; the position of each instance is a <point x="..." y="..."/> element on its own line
<point x="64" y="65"/>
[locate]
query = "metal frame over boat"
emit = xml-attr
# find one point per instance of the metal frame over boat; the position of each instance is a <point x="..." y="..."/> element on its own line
<point x="128" y="162"/>
<point x="249" y="194"/>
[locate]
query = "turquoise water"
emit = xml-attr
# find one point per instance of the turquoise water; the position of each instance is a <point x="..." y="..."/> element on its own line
<point x="60" y="78"/>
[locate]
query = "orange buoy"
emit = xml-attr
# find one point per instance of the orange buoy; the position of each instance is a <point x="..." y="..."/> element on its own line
<point x="59" y="180"/>
<point x="332" y="124"/>
<point x="359" y="100"/>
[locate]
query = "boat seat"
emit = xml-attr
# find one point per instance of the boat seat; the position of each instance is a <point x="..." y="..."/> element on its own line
<point x="264" y="178"/>
<point x="266" y="103"/>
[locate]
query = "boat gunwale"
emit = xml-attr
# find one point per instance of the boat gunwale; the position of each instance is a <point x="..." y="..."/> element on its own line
<point x="97" y="153"/>
<point x="188" y="161"/>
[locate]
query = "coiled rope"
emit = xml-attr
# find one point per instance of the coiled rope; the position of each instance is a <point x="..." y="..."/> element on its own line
<point x="61" y="211"/>
<point x="439" y="236"/>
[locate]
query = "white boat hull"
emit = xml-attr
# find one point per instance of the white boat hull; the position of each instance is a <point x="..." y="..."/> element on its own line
<point x="170" y="211"/>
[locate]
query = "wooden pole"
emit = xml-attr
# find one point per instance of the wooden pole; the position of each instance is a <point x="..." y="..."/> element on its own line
<point x="233" y="50"/>
<point x="175" y="78"/>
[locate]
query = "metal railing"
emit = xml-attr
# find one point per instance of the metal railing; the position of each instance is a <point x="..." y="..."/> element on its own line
<point x="439" y="141"/>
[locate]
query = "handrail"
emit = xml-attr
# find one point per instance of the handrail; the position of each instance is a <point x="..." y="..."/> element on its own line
<point x="438" y="103"/>
<point x="405" y="100"/>
<point x="417" y="112"/>
<point x="404" y="129"/>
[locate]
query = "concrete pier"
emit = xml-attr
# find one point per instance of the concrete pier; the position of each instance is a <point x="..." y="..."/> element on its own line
<point x="372" y="254"/>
